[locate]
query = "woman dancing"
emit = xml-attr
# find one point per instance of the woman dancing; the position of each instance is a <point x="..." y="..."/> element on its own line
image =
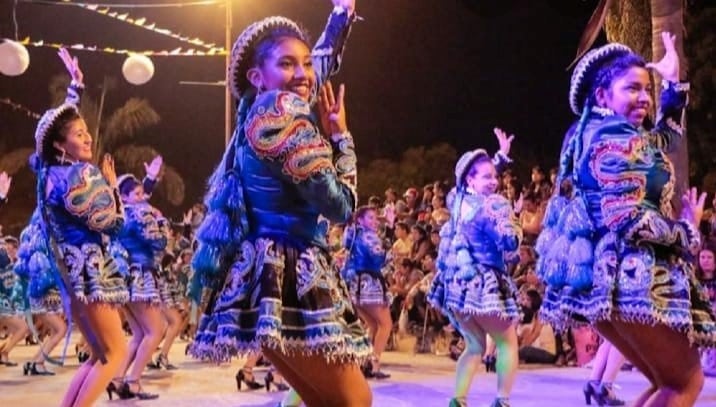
<point x="472" y="286"/>
<point x="617" y="259"/>
<point x="280" y="294"/>
<point x="80" y="203"/>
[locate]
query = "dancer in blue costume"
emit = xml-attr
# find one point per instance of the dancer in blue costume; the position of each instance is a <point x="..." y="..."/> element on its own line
<point x="614" y="255"/>
<point x="472" y="286"/>
<point x="363" y="273"/>
<point x="13" y="302"/>
<point x="34" y="269"/>
<point x="144" y="238"/>
<point x="81" y="203"/>
<point x="261" y="244"/>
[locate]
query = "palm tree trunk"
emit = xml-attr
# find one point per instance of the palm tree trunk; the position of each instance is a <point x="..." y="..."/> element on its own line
<point x="628" y="22"/>
<point x="668" y="15"/>
<point x="638" y="24"/>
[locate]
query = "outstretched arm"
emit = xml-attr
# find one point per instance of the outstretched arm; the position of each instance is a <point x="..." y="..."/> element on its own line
<point x="668" y="131"/>
<point x="328" y="51"/>
<point x="74" y="91"/>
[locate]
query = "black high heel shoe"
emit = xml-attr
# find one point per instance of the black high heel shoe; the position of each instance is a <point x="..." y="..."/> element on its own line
<point x="590" y="391"/>
<point x="490" y="364"/>
<point x="163" y="361"/>
<point x="270" y="379"/>
<point x="112" y="388"/>
<point x="31" y="369"/>
<point x="125" y="392"/>
<point x="245" y="375"/>
<point x="605" y="396"/>
<point x="5" y="360"/>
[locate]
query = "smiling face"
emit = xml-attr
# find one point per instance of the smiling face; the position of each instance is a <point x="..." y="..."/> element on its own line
<point x="482" y="178"/>
<point x="369" y="220"/>
<point x="77" y="143"/>
<point x="628" y="95"/>
<point x="288" y="67"/>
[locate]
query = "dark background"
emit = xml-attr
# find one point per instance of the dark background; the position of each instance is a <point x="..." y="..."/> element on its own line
<point x="418" y="72"/>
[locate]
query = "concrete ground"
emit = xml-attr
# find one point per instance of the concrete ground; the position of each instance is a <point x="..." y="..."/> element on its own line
<point x="423" y="380"/>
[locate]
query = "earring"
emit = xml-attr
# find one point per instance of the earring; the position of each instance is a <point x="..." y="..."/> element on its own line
<point x="62" y="159"/>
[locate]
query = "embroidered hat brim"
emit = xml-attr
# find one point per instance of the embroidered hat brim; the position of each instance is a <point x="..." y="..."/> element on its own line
<point x="47" y="122"/>
<point x="242" y="51"/>
<point x="126" y="177"/>
<point x="583" y="75"/>
<point x="465" y="163"/>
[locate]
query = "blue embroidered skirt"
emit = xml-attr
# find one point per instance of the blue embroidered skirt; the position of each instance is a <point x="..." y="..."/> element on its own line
<point x="280" y="296"/>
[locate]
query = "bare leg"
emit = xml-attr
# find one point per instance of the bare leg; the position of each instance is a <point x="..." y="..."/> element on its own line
<point x="600" y="361"/>
<point x="174" y="321"/>
<point x="150" y="319"/>
<point x="134" y="341"/>
<point x="17" y="329"/>
<point x="614" y="364"/>
<point x="505" y="336"/>
<point x="325" y="384"/>
<point x="106" y="321"/>
<point x="380" y="314"/>
<point x="613" y="335"/>
<point x="56" y="324"/>
<point x="469" y="361"/>
<point x="673" y="361"/>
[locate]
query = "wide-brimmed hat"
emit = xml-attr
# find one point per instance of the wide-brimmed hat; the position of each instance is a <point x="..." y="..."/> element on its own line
<point x="47" y="123"/>
<point x="585" y="71"/>
<point x="465" y="163"/>
<point x="243" y="49"/>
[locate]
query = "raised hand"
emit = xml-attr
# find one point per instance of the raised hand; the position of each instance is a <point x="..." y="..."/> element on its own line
<point x="106" y="167"/>
<point x="332" y="110"/>
<point x="348" y="5"/>
<point x="188" y="217"/>
<point x="72" y="65"/>
<point x="154" y="168"/>
<point x="668" y="67"/>
<point x="504" y="140"/>
<point x="5" y="182"/>
<point x="693" y="206"/>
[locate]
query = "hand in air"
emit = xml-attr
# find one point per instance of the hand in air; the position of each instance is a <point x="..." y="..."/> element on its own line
<point x="668" y="67"/>
<point x="72" y="65"/>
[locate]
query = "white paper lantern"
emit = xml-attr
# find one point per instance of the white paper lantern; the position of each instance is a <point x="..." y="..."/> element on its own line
<point x="138" y="69"/>
<point x="14" y="58"/>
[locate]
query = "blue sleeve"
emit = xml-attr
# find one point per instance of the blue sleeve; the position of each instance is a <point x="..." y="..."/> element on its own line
<point x="668" y="132"/>
<point x="327" y="53"/>
<point x="503" y="225"/>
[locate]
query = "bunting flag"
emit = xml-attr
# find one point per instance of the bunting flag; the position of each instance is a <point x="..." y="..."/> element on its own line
<point x="128" y="5"/>
<point x="21" y="108"/>
<point x="142" y="22"/>
<point x="177" y="52"/>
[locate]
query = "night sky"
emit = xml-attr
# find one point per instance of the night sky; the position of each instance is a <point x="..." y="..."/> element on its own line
<point x="417" y="72"/>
